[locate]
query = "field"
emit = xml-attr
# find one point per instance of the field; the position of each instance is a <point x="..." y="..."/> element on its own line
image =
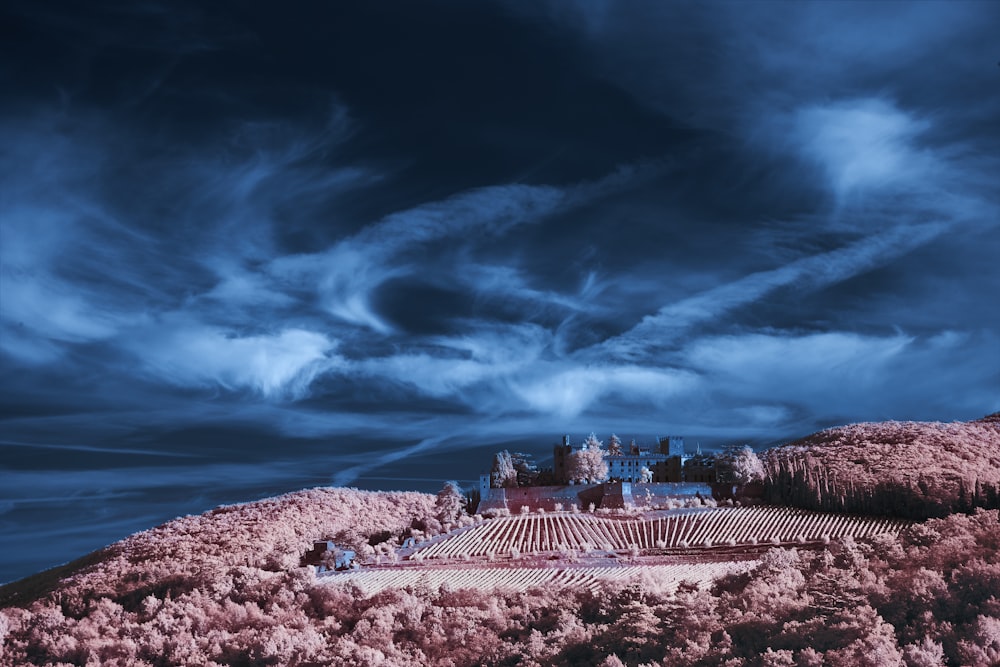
<point x="732" y="526"/>
<point x="573" y="549"/>
<point x="666" y="577"/>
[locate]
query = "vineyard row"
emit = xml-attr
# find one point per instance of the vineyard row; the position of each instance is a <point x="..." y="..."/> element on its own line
<point x="667" y="577"/>
<point x="585" y="532"/>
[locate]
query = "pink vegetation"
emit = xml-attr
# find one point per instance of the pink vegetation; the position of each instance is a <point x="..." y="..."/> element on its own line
<point x="908" y="469"/>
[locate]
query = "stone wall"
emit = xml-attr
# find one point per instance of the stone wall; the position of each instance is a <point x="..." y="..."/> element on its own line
<point x="612" y="495"/>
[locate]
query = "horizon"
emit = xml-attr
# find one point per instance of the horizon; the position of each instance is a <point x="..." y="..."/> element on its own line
<point x="245" y="251"/>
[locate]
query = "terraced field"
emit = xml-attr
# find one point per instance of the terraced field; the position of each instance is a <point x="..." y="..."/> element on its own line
<point x="667" y="577"/>
<point x="464" y="559"/>
<point x="731" y="526"/>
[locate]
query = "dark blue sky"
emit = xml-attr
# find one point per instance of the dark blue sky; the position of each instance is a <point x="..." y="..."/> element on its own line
<point x="246" y="250"/>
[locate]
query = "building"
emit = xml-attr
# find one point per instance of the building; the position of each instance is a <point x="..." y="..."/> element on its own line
<point x="674" y="474"/>
<point x="612" y="495"/>
<point x="326" y="555"/>
<point x="702" y="469"/>
<point x="560" y="461"/>
<point x="665" y="463"/>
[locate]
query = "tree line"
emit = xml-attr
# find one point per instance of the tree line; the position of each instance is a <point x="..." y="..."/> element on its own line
<point x="910" y="470"/>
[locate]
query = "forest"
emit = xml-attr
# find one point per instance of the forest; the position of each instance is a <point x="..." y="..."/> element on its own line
<point x="228" y="588"/>
<point x="914" y="470"/>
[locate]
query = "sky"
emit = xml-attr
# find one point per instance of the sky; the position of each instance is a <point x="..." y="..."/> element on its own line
<point x="247" y="249"/>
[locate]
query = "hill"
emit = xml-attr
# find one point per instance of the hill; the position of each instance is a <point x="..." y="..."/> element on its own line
<point x="908" y="469"/>
<point x="181" y="555"/>
<point x="927" y="597"/>
<point x="228" y="588"/>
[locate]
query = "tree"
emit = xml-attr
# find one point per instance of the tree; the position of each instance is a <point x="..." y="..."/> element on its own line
<point x="588" y="464"/>
<point x="525" y="468"/>
<point x="472" y="499"/>
<point x="502" y="474"/>
<point x="614" y="446"/>
<point x="927" y="653"/>
<point x="742" y="464"/>
<point x="450" y="503"/>
<point x="646" y="475"/>
<point x="747" y="466"/>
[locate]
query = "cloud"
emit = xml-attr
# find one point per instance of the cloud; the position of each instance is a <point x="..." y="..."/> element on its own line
<point x="899" y="196"/>
<point x="39" y="314"/>
<point x="723" y="65"/>
<point x="818" y="379"/>
<point x="508" y="283"/>
<point x="90" y="255"/>
<point x="504" y="370"/>
<point x="861" y="144"/>
<point x="240" y="287"/>
<point x="664" y="328"/>
<point x="566" y="392"/>
<point x="453" y="365"/>
<point x="45" y="236"/>
<point x="347" y="476"/>
<point x="349" y="272"/>
<point x="792" y="363"/>
<point x="272" y="365"/>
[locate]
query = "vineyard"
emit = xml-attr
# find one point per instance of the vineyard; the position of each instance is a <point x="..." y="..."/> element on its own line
<point x="667" y="577"/>
<point x="465" y="558"/>
<point x="710" y="528"/>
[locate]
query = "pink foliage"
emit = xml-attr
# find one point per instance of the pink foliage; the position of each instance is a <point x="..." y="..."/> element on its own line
<point x="910" y="469"/>
<point x="225" y="588"/>
<point x="890" y="602"/>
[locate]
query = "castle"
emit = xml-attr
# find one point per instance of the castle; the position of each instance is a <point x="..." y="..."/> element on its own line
<point x="637" y="475"/>
<point x="667" y="465"/>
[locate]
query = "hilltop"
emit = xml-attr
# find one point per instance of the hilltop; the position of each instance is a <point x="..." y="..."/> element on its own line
<point x="910" y="469"/>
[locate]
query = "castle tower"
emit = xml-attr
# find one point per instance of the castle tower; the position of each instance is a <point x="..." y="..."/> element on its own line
<point x="672" y="445"/>
<point x="560" y="456"/>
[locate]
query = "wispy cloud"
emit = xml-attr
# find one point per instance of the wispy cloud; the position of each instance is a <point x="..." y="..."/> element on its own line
<point x="170" y="280"/>
<point x="881" y="181"/>
<point x="450" y="367"/>
<point x="862" y="145"/>
<point x="348" y="475"/>
<point x="838" y="374"/>
<point x="564" y="391"/>
<point x="90" y="448"/>
<point x="276" y="365"/>
<point x="667" y="326"/>
<point x="348" y="273"/>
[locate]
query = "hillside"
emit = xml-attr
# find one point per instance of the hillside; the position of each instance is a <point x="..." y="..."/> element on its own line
<point x="268" y="536"/>
<point x="228" y="588"/>
<point x="908" y="469"/>
<point x="209" y="597"/>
